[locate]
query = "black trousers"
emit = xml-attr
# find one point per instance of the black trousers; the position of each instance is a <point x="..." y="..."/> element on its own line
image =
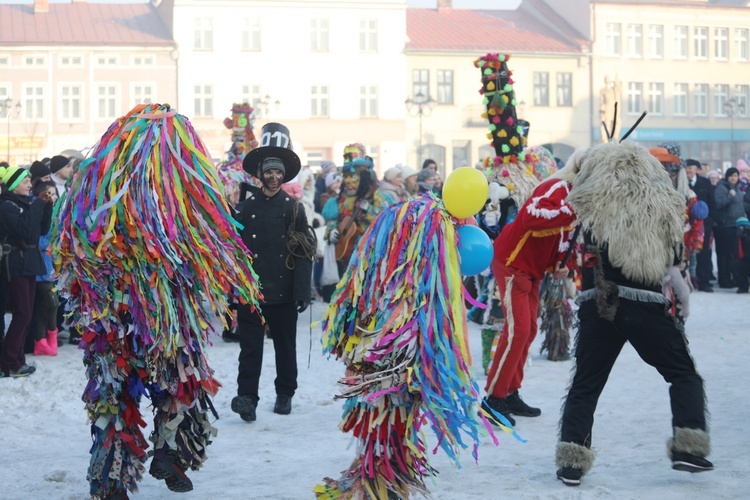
<point x="282" y="321"/>
<point x="704" y="265"/>
<point x="741" y="272"/>
<point x="22" y="304"/>
<point x="725" y="237"/>
<point x="657" y="339"/>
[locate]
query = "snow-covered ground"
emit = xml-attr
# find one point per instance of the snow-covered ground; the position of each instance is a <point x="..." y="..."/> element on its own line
<point x="45" y="439"/>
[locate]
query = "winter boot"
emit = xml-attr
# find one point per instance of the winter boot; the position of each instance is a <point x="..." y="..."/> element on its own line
<point x="42" y="348"/>
<point x="496" y="406"/>
<point x="165" y="465"/>
<point x="688" y="450"/>
<point x="574" y="461"/>
<point x="517" y="407"/>
<point x="52" y="339"/>
<point x="245" y="406"/>
<point x="283" y="404"/>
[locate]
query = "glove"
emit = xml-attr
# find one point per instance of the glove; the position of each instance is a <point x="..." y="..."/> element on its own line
<point x="333" y="236"/>
<point x="491" y="218"/>
<point x="302" y="305"/>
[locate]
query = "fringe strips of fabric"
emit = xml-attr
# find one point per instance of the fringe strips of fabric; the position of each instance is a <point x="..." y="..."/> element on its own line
<point x="557" y="319"/>
<point x="146" y="252"/>
<point x="398" y="321"/>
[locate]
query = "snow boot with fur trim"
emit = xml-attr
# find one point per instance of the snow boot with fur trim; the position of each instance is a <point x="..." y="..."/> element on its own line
<point x="688" y="450"/>
<point x="574" y="461"/>
<point x="42" y="348"/>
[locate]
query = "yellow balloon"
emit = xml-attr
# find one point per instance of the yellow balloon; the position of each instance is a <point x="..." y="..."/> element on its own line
<point x="465" y="192"/>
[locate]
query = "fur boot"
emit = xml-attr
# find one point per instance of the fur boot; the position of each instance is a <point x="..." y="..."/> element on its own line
<point x="574" y="455"/>
<point x="693" y="441"/>
<point x="42" y="348"/>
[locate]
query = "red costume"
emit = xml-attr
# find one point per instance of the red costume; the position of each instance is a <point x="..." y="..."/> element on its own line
<point x="532" y="245"/>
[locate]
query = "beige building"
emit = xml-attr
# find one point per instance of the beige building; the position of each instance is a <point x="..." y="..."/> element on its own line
<point x="67" y="71"/>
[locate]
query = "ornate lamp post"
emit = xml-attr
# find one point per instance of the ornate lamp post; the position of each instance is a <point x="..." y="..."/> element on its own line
<point x="7" y="108"/>
<point x="420" y="105"/>
<point x="733" y="107"/>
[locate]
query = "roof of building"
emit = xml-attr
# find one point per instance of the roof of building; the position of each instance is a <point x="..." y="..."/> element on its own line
<point x="82" y="23"/>
<point x="513" y="31"/>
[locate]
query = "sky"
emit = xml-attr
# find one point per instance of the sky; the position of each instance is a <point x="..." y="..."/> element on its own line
<point x="45" y="437"/>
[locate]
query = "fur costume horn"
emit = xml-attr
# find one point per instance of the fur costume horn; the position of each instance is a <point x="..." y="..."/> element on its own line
<point x="640" y="220"/>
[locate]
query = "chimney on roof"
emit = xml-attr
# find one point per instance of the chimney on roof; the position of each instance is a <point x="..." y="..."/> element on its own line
<point x="41" y="6"/>
<point x="445" y="4"/>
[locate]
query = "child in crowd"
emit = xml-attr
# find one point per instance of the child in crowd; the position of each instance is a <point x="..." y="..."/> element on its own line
<point x="739" y="256"/>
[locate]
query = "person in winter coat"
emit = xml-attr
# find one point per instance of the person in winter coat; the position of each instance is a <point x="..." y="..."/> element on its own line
<point x="730" y="206"/>
<point x="704" y="191"/>
<point x="22" y="222"/>
<point x="276" y="232"/>
<point x="739" y="255"/>
<point x="392" y="186"/>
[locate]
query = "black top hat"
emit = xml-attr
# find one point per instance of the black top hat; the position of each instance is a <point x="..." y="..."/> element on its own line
<point x="274" y="143"/>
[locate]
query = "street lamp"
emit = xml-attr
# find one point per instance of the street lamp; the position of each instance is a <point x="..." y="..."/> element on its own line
<point x="265" y="104"/>
<point x="6" y="109"/>
<point x="420" y="105"/>
<point x="733" y="107"/>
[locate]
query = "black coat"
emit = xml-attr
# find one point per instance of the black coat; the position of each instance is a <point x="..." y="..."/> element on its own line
<point x="22" y="222"/>
<point x="266" y="222"/>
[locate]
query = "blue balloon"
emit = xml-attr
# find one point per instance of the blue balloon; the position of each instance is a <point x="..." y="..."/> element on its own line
<point x="475" y="250"/>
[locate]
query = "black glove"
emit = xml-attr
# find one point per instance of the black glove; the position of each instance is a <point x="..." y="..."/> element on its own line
<point x="302" y="305"/>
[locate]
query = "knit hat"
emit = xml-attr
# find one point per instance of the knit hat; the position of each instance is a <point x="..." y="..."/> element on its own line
<point x="12" y="176"/>
<point x="407" y="172"/>
<point x="425" y="174"/>
<point x="326" y="167"/>
<point x="743" y="222"/>
<point x="39" y="170"/>
<point x="57" y="163"/>
<point x="392" y="173"/>
<point x="332" y="178"/>
<point x="742" y="165"/>
<point x="731" y="171"/>
<point x="713" y="173"/>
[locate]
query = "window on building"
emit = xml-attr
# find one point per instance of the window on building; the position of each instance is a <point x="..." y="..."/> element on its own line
<point x="143" y="60"/>
<point x="420" y="82"/>
<point x="680" y="47"/>
<point x="565" y="89"/>
<point x="143" y="93"/>
<point x="203" y="33"/>
<point x="319" y="100"/>
<point x="33" y="102"/>
<point x="635" y="98"/>
<point x="70" y="102"/>
<point x="368" y="35"/>
<point x="251" y="34"/>
<point x="105" y="60"/>
<point x="368" y="101"/>
<point x="319" y="35"/>
<point x="656" y="41"/>
<point x="445" y="86"/>
<point x="721" y="43"/>
<point x="612" y="39"/>
<point x="635" y="40"/>
<point x="4" y="94"/>
<point x="203" y="100"/>
<point x="721" y="94"/>
<point x="541" y="89"/>
<point x="656" y="98"/>
<point x="741" y="95"/>
<point x="741" y="44"/>
<point x="37" y="61"/>
<point x="700" y="43"/>
<point x="680" y="99"/>
<point x="106" y="102"/>
<point x="253" y="95"/>
<point x="700" y="99"/>
<point x="4" y="61"/>
<point x="71" y="61"/>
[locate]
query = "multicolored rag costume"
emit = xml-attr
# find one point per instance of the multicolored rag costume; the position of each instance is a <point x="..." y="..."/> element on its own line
<point x="146" y="253"/>
<point x="397" y="319"/>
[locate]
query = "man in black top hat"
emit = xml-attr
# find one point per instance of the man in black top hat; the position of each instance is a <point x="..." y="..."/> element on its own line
<point x="276" y="232"/>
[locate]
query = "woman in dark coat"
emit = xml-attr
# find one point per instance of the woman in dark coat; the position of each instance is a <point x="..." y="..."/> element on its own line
<point x="22" y="221"/>
<point x="729" y="207"/>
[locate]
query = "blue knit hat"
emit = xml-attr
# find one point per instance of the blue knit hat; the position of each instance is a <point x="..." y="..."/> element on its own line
<point x="743" y="222"/>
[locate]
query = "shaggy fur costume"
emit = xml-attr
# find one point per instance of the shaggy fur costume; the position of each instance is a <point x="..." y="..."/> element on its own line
<point x="574" y="455"/>
<point x="693" y="441"/>
<point x="626" y="199"/>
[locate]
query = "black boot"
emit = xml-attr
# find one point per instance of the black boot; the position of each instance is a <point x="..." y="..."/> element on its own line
<point x="283" y="404"/>
<point x="517" y="407"/>
<point x="165" y="465"/>
<point x="570" y="476"/>
<point x="684" y="461"/>
<point x="493" y="405"/>
<point x="245" y="406"/>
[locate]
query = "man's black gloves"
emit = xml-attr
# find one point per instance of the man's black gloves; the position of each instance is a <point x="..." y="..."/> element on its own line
<point x="302" y="305"/>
